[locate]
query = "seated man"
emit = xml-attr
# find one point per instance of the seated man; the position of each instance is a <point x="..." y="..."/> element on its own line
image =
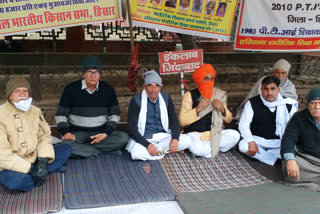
<point x="88" y="114"/>
<point x="203" y="111"/>
<point x="153" y="126"/>
<point x="263" y="121"/>
<point x="300" y="148"/>
<point x="287" y="89"/>
<point x="26" y="153"/>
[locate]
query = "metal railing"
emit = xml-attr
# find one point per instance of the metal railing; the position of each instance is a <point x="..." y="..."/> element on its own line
<point x="48" y="81"/>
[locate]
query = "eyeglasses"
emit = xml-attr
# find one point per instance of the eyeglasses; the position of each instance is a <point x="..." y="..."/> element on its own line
<point x="208" y="79"/>
<point x="93" y="73"/>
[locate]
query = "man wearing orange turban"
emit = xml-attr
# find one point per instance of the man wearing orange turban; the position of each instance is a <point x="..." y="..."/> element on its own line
<point x="203" y="111"/>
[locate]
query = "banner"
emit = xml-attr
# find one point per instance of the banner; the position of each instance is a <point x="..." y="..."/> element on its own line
<point x="177" y="61"/>
<point x="21" y="16"/>
<point x="133" y="71"/>
<point x="207" y="18"/>
<point x="279" y="25"/>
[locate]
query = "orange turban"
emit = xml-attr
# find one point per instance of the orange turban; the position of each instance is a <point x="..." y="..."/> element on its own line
<point x="205" y="87"/>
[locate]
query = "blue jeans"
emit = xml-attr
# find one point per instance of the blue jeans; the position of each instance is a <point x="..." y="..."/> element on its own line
<point x="19" y="181"/>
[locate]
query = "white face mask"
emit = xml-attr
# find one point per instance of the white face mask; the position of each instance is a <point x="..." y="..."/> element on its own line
<point x="23" y="105"/>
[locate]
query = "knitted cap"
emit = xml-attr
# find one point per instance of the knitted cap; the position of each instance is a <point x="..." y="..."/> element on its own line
<point x="152" y="77"/>
<point x="17" y="81"/>
<point x="91" y="62"/>
<point x="314" y="94"/>
<point x="283" y="65"/>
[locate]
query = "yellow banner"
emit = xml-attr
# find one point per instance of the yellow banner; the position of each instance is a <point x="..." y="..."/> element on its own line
<point x="208" y="18"/>
<point x="20" y="16"/>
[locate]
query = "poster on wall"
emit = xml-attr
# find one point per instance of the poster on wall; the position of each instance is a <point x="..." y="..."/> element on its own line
<point x="21" y="16"/>
<point x="279" y="25"/>
<point x="207" y="18"/>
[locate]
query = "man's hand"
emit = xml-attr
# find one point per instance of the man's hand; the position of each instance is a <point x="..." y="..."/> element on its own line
<point x="68" y="136"/>
<point x="152" y="149"/>
<point x="293" y="169"/>
<point x="173" y="147"/>
<point x="253" y="148"/>
<point x="39" y="171"/>
<point x="202" y="104"/>
<point x="217" y="104"/>
<point x="98" y="137"/>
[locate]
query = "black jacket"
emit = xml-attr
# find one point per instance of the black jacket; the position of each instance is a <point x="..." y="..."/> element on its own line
<point x="302" y="132"/>
<point x="133" y="118"/>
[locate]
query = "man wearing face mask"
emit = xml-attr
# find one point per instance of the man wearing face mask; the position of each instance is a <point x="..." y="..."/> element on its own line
<point x="287" y="89"/>
<point x="203" y="111"/>
<point x="26" y="152"/>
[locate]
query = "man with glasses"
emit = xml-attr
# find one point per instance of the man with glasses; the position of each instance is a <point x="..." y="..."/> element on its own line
<point x="88" y="114"/>
<point x="203" y="111"/>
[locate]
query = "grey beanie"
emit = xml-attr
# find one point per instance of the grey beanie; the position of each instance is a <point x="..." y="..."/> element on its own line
<point x="314" y="94"/>
<point x="283" y="65"/>
<point x="91" y="62"/>
<point x="152" y="77"/>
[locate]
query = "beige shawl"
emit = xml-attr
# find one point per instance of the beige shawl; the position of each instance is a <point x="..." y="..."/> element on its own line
<point x="216" y="120"/>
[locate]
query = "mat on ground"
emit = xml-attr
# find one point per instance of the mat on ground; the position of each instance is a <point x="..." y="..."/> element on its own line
<point x="43" y="199"/>
<point x="227" y="170"/>
<point x="114" y="180"/>
<point x="263" y="199"/>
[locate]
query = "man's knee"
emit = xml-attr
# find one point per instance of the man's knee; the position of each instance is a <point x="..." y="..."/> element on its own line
<point x="243" y="146"/>
<point x="62" y="150"/>
<point x="185" y="141"/>
<point x="234" y="134"/>
<point x="201" y="149"/>
<point x="138" y="152"/>
<point x="23" y="182"/>
<point x="121" y="137"/>
<point x="198" y="150"/>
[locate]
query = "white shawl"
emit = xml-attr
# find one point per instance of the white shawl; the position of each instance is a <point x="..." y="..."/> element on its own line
<point x="282" y="114"/>
<point x="143" y="113"/>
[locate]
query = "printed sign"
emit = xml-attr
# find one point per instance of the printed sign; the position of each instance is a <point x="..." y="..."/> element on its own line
<point x="21" y="16"/>
<point x="279" y="25"/>
<point x="177" y="61"/>
<point x="207" y="18"/>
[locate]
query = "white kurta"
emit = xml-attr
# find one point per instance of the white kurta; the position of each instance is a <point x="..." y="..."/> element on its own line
<point x="229" y="138"/>
<point x="161" y="142"/>
<point x="269" y="149"/>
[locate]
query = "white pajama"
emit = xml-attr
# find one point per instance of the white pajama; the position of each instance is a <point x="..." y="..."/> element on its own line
<point x="161" y="142"/>
<point x="269" y="150"/>
<point x="229" y="138"/>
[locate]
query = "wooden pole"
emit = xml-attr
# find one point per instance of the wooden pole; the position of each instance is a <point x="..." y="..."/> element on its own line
<point x="104" y="39"/>
<point x="54" y="44"/>
<point x="130" y="26"/>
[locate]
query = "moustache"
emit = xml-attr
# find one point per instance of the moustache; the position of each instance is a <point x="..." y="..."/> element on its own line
<point x="22" y="98"/>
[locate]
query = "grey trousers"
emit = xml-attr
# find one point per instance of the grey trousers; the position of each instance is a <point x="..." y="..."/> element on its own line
<point x="309" y="172"/>
<point x="81" y="147"/>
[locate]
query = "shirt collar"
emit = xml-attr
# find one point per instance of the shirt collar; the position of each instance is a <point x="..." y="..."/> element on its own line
<point x="84" y="86"/>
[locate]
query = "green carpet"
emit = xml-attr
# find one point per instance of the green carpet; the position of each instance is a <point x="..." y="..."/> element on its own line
<point x="266" y="198"/>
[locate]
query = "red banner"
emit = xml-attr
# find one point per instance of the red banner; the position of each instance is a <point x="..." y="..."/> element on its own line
<point x="177" y="61"/>
<point x="133" y="71"/>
